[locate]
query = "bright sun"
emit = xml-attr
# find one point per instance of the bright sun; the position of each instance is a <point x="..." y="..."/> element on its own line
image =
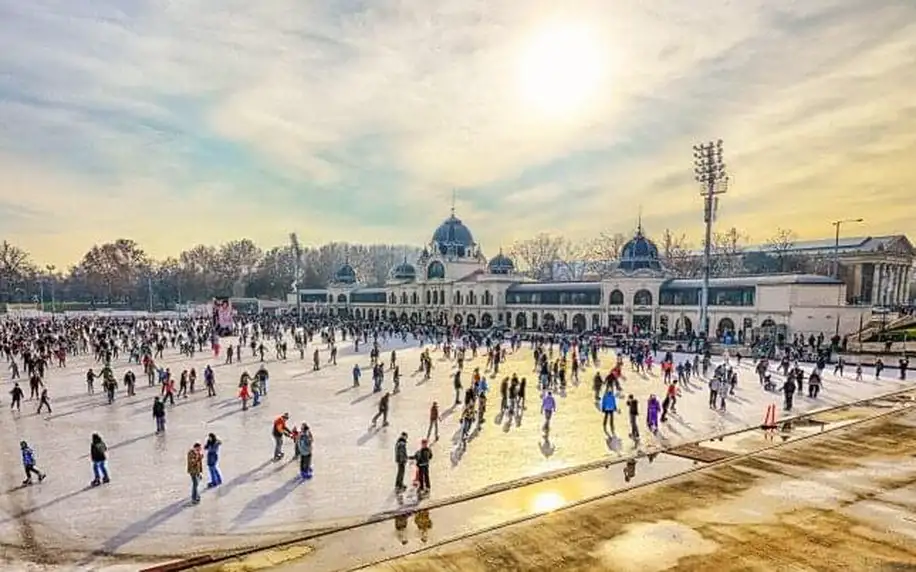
<point x="561" y="69"/>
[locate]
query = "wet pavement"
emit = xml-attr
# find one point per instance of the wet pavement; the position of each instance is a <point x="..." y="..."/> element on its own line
<point x="418" y="530"/>
<point x="841" y="500"/>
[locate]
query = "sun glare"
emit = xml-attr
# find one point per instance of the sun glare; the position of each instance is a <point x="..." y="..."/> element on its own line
<point x="561" y="69"/>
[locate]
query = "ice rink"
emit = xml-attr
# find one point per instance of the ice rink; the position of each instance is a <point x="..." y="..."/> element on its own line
<point x="145" y="510"/>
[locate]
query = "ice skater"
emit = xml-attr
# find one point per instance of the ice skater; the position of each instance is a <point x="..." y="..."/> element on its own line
<point x="212" y="448"/>
<point x="304" y="447"/>
<point x="98" y="453"/>
<point x="28" y="463"/>
<point x="279" y="432"/>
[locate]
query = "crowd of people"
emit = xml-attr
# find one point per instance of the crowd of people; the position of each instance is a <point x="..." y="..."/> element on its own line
<point x="35" y="349"/>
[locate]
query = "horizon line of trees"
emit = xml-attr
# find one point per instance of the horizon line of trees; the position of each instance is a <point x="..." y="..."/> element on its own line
<point x="121" y="274"/>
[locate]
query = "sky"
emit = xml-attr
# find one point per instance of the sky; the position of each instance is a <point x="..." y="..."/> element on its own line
<point x="200" y="121"/>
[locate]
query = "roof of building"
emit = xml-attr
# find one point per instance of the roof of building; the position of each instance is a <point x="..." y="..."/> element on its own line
<point x="639" y="253"/>
<point x="830" y="245"/>
<point x="453" y="236"/>
<point x="404" y="271"/>
<point x="501" y="264"/>
<point x="768" y="280"/>
<point x="345" y="274"/>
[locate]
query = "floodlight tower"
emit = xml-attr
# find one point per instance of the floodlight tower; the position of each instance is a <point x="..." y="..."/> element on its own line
<point x="297" y="254"/>
<point x="709" y="171"/>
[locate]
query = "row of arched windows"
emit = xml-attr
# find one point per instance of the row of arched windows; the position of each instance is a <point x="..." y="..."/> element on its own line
<point x="438" y="298"/>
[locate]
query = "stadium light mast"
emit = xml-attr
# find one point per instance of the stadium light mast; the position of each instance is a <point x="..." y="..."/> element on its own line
<point x="709" y="171"/>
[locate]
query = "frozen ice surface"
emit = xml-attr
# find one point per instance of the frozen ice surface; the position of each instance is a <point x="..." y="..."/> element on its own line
<point x="145" y="511"/>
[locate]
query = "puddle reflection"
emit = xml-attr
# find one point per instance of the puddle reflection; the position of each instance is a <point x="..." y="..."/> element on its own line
<point x="422" y="521"/>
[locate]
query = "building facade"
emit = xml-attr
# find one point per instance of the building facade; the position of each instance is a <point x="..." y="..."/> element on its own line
<point x="877" y="270"/>
<point x="452" y="282"/>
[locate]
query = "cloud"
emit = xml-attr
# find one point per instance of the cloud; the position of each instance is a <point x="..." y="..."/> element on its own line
<point x="204" y="120"/>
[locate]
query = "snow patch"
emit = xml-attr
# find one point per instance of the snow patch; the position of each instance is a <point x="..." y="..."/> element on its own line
<point x="653" y="547"/>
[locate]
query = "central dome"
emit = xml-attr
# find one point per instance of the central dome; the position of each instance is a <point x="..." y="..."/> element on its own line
<point x="639" y="253"/>
<point x="345" y="274"/>
<point x="452" y="237"/>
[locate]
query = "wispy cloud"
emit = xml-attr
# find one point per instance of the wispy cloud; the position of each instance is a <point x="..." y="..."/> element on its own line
<point x="204" y="120"/>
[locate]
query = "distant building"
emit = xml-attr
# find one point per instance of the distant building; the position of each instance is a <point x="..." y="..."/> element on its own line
<point x="451" y="282"/>
<point x="877" y="270"/>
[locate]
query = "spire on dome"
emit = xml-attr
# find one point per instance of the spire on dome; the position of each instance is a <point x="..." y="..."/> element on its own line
<point x="639" y="221"/>
<point x="453" y="202"/>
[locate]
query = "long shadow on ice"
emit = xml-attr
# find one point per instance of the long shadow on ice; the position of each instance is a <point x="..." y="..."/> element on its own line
<point x="242" y="478"/>
<point x="260" y="505"/>
<point x="136" y="529"/>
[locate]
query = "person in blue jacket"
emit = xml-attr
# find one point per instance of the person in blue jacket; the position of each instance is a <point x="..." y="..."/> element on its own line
<point x="212" y="448"/>
<point x="28" y="463"/>
<point x="609" y="408"/>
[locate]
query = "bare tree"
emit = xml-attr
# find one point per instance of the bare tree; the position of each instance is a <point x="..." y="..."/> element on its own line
<point x="14" y="267"/>
<point x="537" y="256"/>
<point x="572" y="260"/>
<point x="676" y="255"/>
<point x="601" y="254"/>
<point x="726" y="250"/>
<point x="781" y="245"/>
<point x="112" y="270"/>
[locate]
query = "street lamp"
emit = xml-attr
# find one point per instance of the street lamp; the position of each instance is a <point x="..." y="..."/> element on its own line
<point x="836" y="244"/>
<point x="52" y="279"/>
<point x="709" y="171"/>
<point x="836" y="265"/>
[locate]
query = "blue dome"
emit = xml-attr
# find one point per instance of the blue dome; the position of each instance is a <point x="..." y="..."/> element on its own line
<point x="435" y="270"/>
<point x="404" y="271"/>
<point x="501" y="264"/>
<point x="345" y="274"/>
<point x="639" y="253"/>
<point x="452" y="237"/>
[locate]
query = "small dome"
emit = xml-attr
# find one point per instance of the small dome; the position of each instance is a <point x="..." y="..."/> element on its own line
<point x="501" y="264"/>
<point x="639" y="253"/>
<point x="435" y="270"/>
<point x="404" y="271"/>
<point x="452" y="237"/>
<point x="345" y="274"/>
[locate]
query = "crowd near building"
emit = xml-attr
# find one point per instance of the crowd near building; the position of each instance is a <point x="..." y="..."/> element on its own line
<point x="453" y="283"/>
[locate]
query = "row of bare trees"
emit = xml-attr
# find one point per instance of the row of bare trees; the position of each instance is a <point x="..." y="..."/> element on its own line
<point x="122" y="273"/>
<point x="551" y="257"/>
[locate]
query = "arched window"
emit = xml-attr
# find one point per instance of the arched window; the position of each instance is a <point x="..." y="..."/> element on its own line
<point x="616" y="298"/>
<point x="435" y="296"/>
<point x="442" y="297"/>
<point x="414" y="299"/>
<point x="429" y="297"/>
<point x="642" y="298"/>
<point x="457" y="299"/>
<point x="392" y="299"/>
<point x="487" y="298"/>
<point x="404" y="298"/>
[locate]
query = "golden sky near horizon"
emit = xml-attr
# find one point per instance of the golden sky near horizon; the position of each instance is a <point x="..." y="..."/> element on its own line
<point x="206" y="120"/>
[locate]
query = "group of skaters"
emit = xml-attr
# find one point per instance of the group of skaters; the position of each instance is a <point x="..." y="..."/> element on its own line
<point x="38" y="348"/>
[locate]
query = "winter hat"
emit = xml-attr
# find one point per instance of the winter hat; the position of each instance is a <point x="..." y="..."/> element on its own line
<point x="424" y="442"/>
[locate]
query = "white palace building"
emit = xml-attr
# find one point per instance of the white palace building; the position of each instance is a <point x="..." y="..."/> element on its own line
<point x="451" y="282"/>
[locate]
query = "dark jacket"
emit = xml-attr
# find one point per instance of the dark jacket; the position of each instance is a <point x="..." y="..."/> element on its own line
<point x="97" y="451"/>
<point x="400" y="451"/>
<point x="159" y="409"/>
<point x="423" y="456"/>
